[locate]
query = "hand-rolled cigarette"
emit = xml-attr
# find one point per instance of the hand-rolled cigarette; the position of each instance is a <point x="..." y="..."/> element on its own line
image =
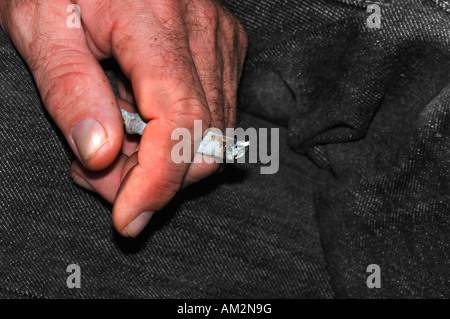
<point x="213" y="144"/>
<point x="133" y="122"/>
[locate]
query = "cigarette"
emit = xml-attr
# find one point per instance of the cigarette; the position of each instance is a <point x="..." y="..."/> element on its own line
<point x="213" y="144"/>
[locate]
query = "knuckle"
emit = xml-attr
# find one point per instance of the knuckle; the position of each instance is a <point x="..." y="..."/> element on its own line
<point x="60" y="92"/>
<point x="14" y="16"/>
<point x="185" y="111"/>
<point x="209" y="24"/>
<point x="13" y="8"/>
<point x="203" y="22"/>
<point x="210" y="14"/>
<point x="229" y="26"/>
<point x="167" y="13"/>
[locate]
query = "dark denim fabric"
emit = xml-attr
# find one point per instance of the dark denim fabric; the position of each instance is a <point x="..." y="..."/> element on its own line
<point x="372" y="107"/>
<point x="366" y="179"/>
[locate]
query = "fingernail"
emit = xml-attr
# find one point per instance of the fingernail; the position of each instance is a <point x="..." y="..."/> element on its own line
<point x="125" y="92"/>
<point x="138" y="224"/>
<point x="89" y="136"/>
<point x="122" y="91"/>
<point x="80" y="181"/>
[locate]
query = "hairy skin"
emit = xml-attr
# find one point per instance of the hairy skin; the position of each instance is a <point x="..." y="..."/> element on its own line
<point x="182" y="60"/>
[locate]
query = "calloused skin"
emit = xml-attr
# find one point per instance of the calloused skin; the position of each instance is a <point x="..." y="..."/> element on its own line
<point x="182" y="59"/>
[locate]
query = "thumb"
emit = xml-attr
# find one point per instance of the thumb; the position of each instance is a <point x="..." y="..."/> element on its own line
<point x="73" y="86"/>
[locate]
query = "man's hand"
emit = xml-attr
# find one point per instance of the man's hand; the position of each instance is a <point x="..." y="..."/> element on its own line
<point x="183" y="59"/>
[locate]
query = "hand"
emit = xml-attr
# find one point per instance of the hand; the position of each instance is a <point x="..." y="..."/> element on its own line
<point x="183" y="59"/>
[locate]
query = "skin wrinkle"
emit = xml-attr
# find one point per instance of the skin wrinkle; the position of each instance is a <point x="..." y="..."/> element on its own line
<point x="12" y="9"/>
<point x="96" y="51"/>
<point x="168" y="49"/>
<point x="57" y="74"/>
<point x="51" y="95"/>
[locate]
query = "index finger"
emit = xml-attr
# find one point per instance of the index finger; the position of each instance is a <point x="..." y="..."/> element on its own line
<point x="153" y="182"/>
<point x="169" y="93"/>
